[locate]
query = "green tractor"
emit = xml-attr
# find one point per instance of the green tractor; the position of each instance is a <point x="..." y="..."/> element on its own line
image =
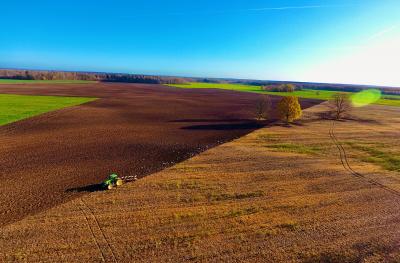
<point x="112" y="181"/>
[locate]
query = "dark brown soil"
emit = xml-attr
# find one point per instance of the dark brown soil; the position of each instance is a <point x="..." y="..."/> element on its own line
<point x="131" y="130"/>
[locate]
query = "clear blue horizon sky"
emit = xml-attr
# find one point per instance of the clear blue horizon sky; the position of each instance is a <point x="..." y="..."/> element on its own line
<point x="341" y="41"/>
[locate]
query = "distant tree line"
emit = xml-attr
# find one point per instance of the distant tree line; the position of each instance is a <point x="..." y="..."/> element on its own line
<point x="108" y="77"/>
<point x="209" y="80"/>
<point x="129" y="78"/>
<point x="133" y="78"/>
<point x="319" y="86"/>
<point x="286" y="87"/>
<point x="347" y="88"/>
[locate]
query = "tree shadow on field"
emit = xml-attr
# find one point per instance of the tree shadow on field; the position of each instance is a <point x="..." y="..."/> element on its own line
<point x="211" y="120"/>
<point x="328" y="116"/>
<point x="227" y="126"/>
<point x="362" y="120"/>
<point x="223" y="124"/>
<point x="88" y="188"/>
<point x="289" y="125"/>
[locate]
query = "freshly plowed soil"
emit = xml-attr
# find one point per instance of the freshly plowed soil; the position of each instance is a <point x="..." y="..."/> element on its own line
<point x="130" y="130"/>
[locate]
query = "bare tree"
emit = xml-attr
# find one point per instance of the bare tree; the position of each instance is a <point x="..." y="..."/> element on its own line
<point x="263" y="106"/>
<point x="340" y="105"/>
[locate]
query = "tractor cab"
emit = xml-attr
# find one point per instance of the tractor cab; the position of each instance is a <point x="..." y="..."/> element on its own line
<point x="112" y="181"/>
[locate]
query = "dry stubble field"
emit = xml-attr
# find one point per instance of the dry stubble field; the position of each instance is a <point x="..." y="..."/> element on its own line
<point x="279" y="194"/>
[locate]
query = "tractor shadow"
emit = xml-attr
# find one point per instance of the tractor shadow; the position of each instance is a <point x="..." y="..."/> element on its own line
<point x="87" y="189"/>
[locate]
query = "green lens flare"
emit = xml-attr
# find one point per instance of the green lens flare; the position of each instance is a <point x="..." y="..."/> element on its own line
<point x="366" y="97"/>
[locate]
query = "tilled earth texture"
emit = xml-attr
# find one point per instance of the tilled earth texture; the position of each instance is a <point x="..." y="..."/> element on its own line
<point x="130" y="130"/>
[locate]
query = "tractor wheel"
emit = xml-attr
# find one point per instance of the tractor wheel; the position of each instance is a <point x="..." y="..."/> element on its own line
<point x="120" y="182"/>
<point x="110" y="186"/>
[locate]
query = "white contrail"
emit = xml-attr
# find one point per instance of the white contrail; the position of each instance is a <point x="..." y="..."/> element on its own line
<point x="261" y="9"/>
<point x="233" y="11"/>
<point x="383" y="32"/>
<point x="291" y="7"/>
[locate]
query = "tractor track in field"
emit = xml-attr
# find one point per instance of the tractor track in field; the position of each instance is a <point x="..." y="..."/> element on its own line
<point x="91" y="229"/>
<point x="100" y="240"/>
<point x="346" y="164"/>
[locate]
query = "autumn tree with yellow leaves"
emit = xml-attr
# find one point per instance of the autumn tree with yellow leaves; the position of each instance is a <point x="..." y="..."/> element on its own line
<point x="289" y="109"/>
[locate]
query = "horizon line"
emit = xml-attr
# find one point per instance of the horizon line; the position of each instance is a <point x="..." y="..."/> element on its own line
<point x="204" y="77"/>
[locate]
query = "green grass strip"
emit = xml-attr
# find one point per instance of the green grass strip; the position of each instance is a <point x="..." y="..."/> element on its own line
<point x="388" y="161"/>
<point x="18" y="107"/>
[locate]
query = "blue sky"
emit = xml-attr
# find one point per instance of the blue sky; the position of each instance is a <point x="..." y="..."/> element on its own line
<point x="347" y="41"/>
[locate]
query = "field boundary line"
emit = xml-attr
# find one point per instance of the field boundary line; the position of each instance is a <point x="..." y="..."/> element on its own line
<point x="346" y="164"/>
<point x="9" y="128"/>
<point x="103" y="236"/>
